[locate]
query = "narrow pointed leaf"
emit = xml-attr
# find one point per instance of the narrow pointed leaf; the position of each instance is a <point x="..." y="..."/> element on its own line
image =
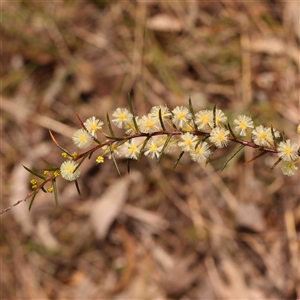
<point x="77" y="187"/>
<point x="254" y="158"/>
<point x="114" y="159"/>
<point x="214" y="114"/>
<point x="96" y="140"/>
<point x="56" y="143"/>
<point x="276" y="163"/>
<point x="32" y="199"/>
<point x="143" y="146"/>
<point x="82" y="160"/>
<point x="55" y="193"/>
<point x="64" y="150"/>
<point x="34" y="173"/>
<point x="192" y="112"/>
<point x="52" y="169"/>
<point x="114" y="138"/>
<point x="163" y="148"/>
<point x="47" y="163"/>
<point x="132" y="112"/>
<point x="177" y="161"/>
<point x="128" y="165"/>
<point x="81" y="123"/>
<point x="210" y="156"/>
<point x="109" y="126"/>
<point x="53" y="138"/>
<point x="276" y="139"/>
<point x="231" y="131"/>
<point x="161" y="120"/>
<point x="231" y="157"/>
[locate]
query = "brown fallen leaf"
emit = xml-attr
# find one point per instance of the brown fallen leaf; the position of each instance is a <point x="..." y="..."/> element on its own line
<point x="106" y="209"/>
<point x="182" y="276"/>
<point x="249" y="216"/>
<point x="163" y="22"/>
<point x="127" y="274"/>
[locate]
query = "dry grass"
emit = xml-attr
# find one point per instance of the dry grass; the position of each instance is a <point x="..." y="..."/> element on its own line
<point x="192" y="233"/>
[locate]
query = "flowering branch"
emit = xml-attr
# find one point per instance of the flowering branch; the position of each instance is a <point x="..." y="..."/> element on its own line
<point x="161" y="131"/>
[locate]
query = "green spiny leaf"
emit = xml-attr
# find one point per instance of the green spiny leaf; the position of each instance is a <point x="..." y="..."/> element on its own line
<point x="109" y="126"/>
<point x="231" y="157"/>
<point x="214" y="114"/>
<point x="192" y="112"/>
<point x="256" y="157"/>
<point x="77" y="187"/>
<point x="163" y="148"/>
<point x="177" y="161"/>
<point x="47" y="163"/>
<point x="34" y="173"/>
<point x="132" y="112"/>
<point x="276" y="163"/>
<point x="55" y="193"/>
<point x="114" y="138"/>
<point x="231" y="131"/>
<point x="161" y="120"/>
<point x="114" y="159"/>
<point x="143" y="147"/>
<point x="32" y="199"/>
<point x="81" y="161"/>
<point x="210" y="156"/>
<point x="128" y="165"/>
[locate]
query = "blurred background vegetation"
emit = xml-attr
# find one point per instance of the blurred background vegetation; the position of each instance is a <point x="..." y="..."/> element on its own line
<point x="189" y="233"/>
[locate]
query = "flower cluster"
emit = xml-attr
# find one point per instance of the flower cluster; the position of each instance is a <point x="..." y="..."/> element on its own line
<point x="198" y="134"/>
<point x="161" y="131"/>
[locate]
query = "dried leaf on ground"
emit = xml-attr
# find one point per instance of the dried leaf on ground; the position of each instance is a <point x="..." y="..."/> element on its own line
<point x="106" y="209"/>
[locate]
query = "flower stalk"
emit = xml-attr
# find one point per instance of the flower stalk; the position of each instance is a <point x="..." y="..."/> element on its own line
<point x="198" y="134"/>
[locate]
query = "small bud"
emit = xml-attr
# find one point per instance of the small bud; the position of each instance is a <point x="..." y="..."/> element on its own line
<point x="33" y="181"/>
<point x="56" y="173"/>
<point x="99" y="160"/>
<point x="34" y="186"/>
<point x="50" y="189"/>
<point x="64" y="154"/>
<point x="46" y="172"/>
